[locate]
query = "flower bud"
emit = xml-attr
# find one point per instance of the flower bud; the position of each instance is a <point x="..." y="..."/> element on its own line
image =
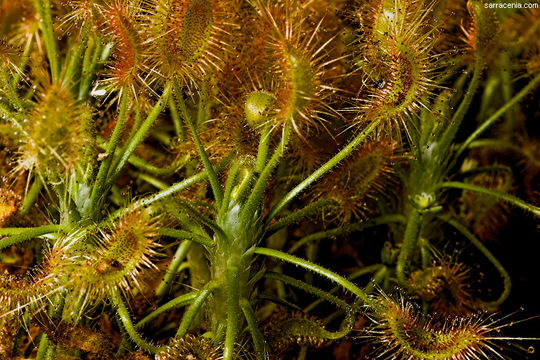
<point x="258" y="105"/>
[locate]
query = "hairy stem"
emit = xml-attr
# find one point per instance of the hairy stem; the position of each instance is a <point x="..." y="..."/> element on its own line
<point x="262" y="152"/>
<point x="310" y="289"/>
<point x="172" y="270"/>
<point x="177" y="302"/>
<point x="128" y="325"/>
<point x="408" y="246"/>
<point x="455" y="123"/>
<point x="42" y="348"/>
<point x="138" y="137"/>
<point x="340" y="280"/>
<point x="154" y="170"/>
<point x="27" y="234"/>
<point x="177" y="121"/>
<point x="233" y="316"/>
<point x="299" y="214"/>
<point x="24" y="59"/>
<point x="493" y="118"/>
<point x="346" y="151"/>
<point x="89" y="65"/>
<point x="502" y="271"/>
<point x="194" y="309"/>
<point x="43" y="8"/>
<point x="358" y="273"/>
<point x="99" y="186"/>
<point x="497" y="194"/>
<point x="229" y="185"/>
<point x="347" y="228"/>
<point x="253" y="202"/>
<point x="31" y="196"/>
<point x="182" y="234"/>
<point x="258" y="340"/>
<point x="212" y="176"/>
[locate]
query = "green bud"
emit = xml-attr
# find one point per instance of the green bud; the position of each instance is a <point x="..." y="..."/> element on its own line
<point x="258" y="104"/>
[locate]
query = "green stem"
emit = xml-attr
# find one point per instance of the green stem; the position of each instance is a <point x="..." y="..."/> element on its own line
<point x="180" y="301"/>
<point x="258" y="339"/>
<point x="506" y="83"/>
<point x="455" y="123"/>
<point x="497" y="143"/>
<point x="178" y="258"/>
<point x="43" y="8"/>
<point x="169" y="191"/>
<point x="245" y="180"/>
<point x="233" y="297"/>
<point x="12" y="231"/>
<point x="31" y="196"/>
<point x="75" y="59"/>
<point x="299" y="214"/>
<point x="200" y="217"/>
<point x="363" y="271"/>
<point x="89" y="65"/>
<point x="212" y="176"/>
<point x="377" y="279"/>
<point x="24" y="59"/>
<point x="42" y="349"/>
<point x="27" y="234"/>
<point x="202" y="106"/>
<point x="162" y="136"/>
<point x="99" y="186"/>
<point x="310" y="289"/>
<point x="56" y="308"/>
<point x="158" y="184"/>
<point x="128" y="325"/>
<point x="493" y="118"/>
<point x="182" y="234"/>
<point x="17" y="342"/>
<point x="11" y="90"/>
<point x="149" y="168"/>
<point x="229" y="185"/>
<point x="502" y="271"/>
<point x="138" y="136"/>
<point x="47" y="349"/>
<point x="253" y="203"/>
<point x="347" y="228"/>
<point x="302" y="327"/>
<point x="408" y="246"/>
<point x="340" y="280"/>
<point x="523" y="151"/>
<point x="177" y="302"/>
<point x="484" y="169"/>
<point x="177" y="121"/>
<point x="497" y="194"/>
<point x="10" y="115"/>
<point x="186" y="221"/>
<point x="262" y="152"/>
<point x="346" y="151"/>
<point x="51" y="352"/>
<point x="425" y="253"/>
<point x="154" y="170"/>
<point x="194" y="309"/>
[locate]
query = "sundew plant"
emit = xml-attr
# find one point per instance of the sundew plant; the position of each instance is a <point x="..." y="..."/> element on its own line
<point x="268" y="179"/>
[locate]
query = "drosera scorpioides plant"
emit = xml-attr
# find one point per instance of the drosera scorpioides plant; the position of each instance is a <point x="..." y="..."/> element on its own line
<point x="172" y="169"/>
